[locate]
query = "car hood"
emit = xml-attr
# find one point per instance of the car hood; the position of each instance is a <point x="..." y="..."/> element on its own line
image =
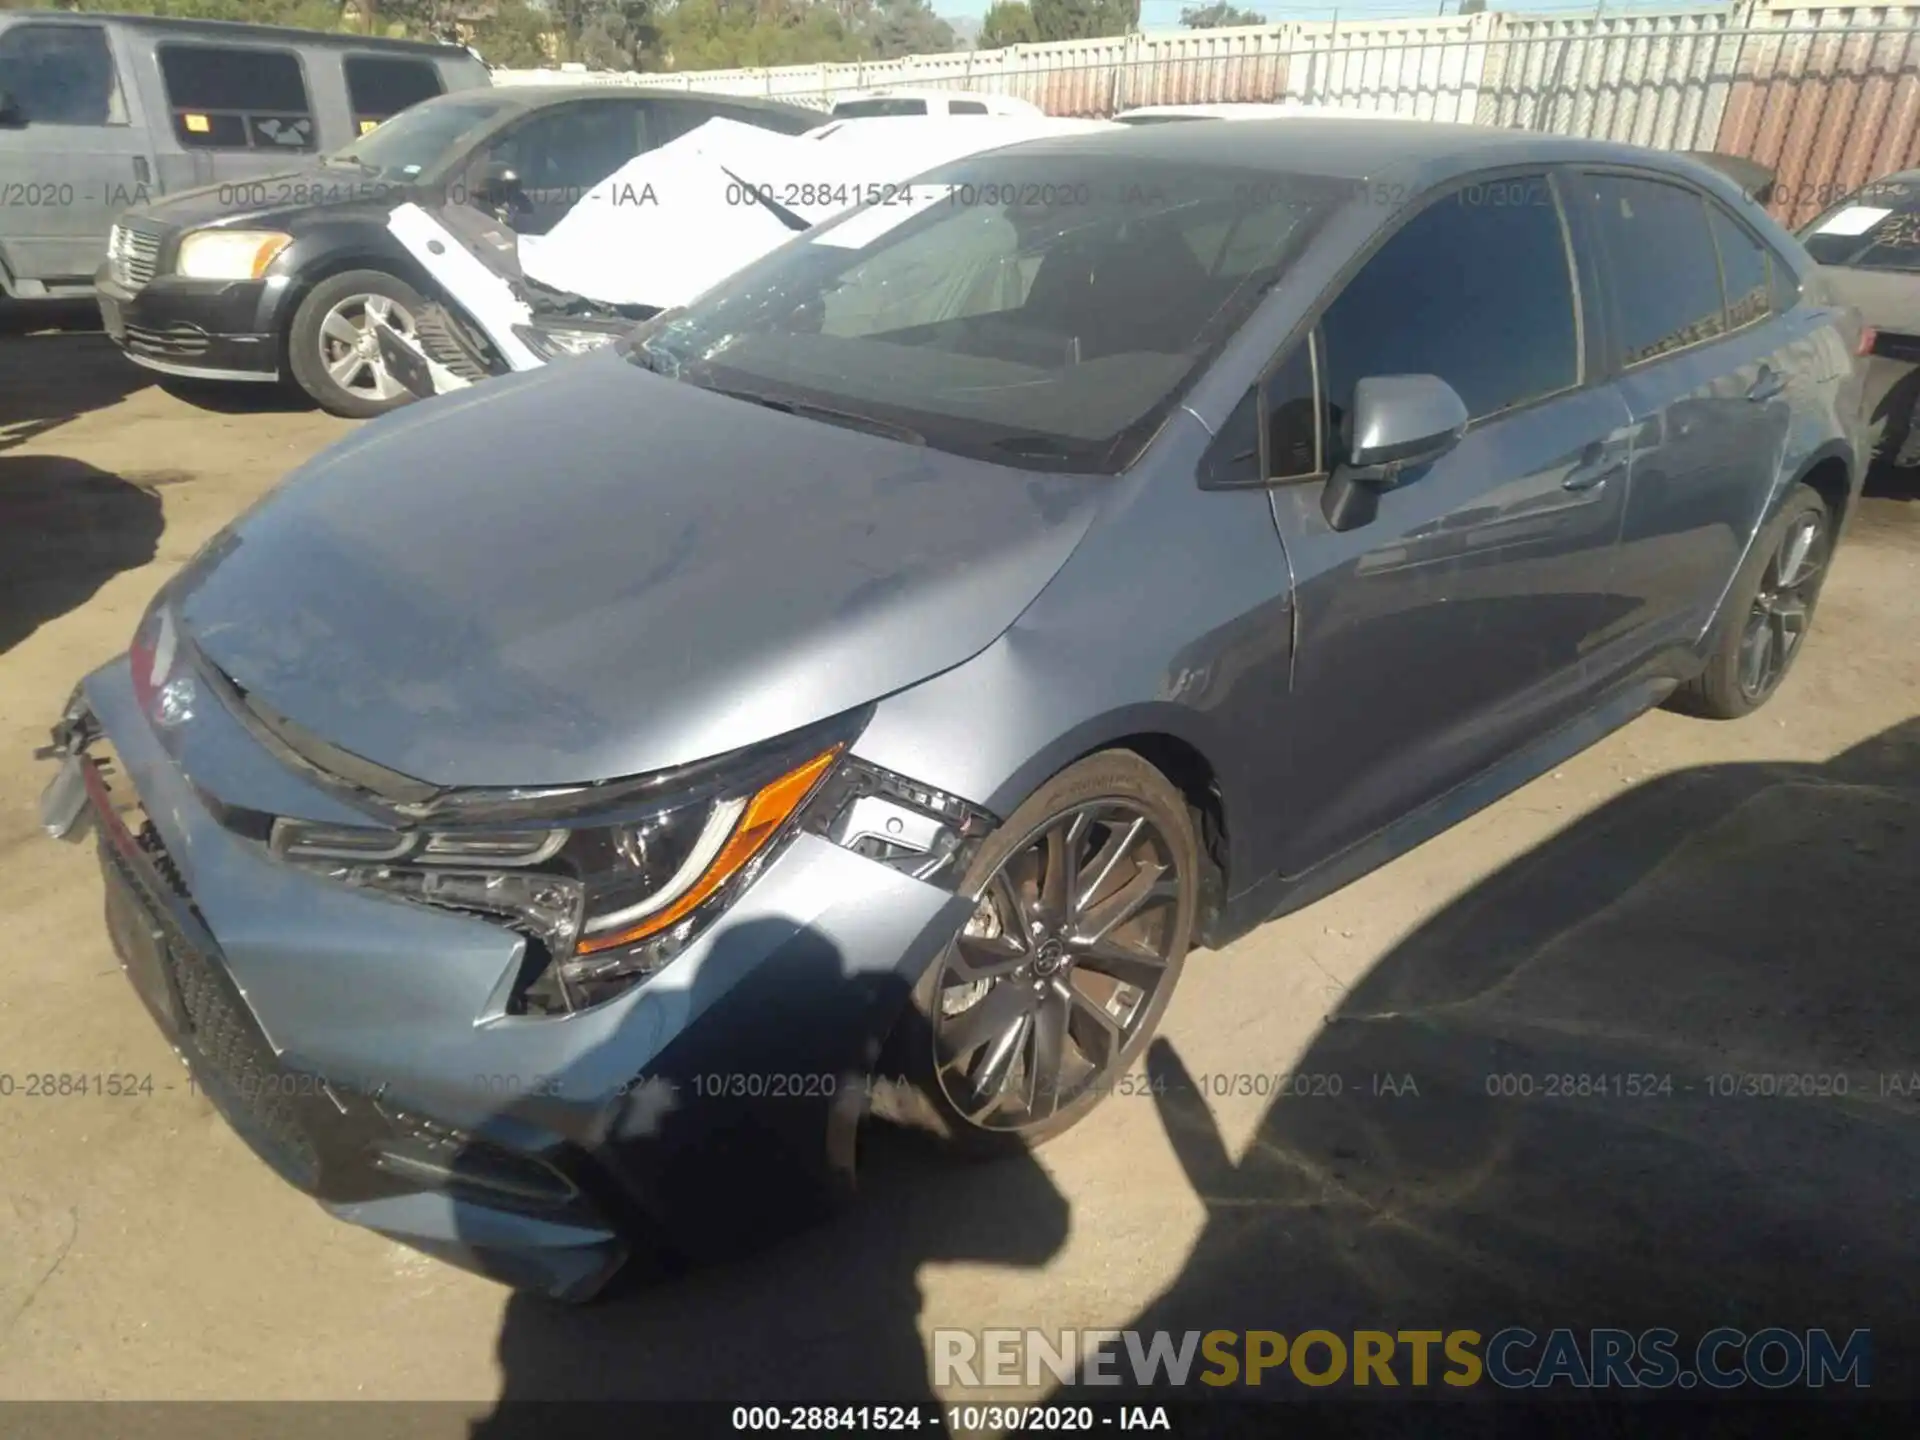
<point x="588" y="571"/>
<point x="258" y="197"/>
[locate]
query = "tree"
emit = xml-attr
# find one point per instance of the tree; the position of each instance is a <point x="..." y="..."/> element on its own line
<point x="905" y="27"/>
<point x="1084" y="19"/>
<point x="1008" y="22"/>
<point x="1218" y="16"/>
<point x="515" y="36"/>
<point x="730" y="34"/>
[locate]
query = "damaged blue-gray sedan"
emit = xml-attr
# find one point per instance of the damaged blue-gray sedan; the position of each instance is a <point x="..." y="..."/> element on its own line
<point x="552" y="821"/>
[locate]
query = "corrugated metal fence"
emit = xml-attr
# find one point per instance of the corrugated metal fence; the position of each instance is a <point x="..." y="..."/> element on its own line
<point x="1828" y="97"/>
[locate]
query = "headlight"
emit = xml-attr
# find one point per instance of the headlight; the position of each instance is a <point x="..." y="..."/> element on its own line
<point x="554" y="344"/>
<point x="229" y="254"/>
<point x="610" y="886"/>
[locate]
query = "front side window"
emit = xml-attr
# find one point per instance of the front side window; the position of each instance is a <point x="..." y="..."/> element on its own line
<point x="1664" y="270"/>
<point x="1039" y="311"/>
<point x="1476" y="289"/>
<point x="60" y="75"/>
<point x="233" y="98"/>
<point x="381" y="86"/>
<point x="573" y="148"/>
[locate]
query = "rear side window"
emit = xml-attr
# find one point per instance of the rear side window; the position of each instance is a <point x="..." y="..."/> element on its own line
<point x="60" y="75"/>
<point x="864" y="109"/>
<point x="1743" y="270"/>
<point x="966" y="107"/>
<point x="1664" y="268"/>
<point x="381" y="86"/>
<point x="1477" y="289"/>
<point x="225" y="97"/>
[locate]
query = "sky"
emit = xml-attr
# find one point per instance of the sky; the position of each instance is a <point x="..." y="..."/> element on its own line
<point x="1165" y="14"/>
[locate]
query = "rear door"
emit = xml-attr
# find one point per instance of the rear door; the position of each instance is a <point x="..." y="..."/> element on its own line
<point x="72" y="155"/>
<point x="1707" y="377"/>
<point x="1455" y="625"/>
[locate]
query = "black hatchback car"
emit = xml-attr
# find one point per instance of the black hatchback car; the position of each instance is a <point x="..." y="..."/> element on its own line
<point x="279" y="277"/>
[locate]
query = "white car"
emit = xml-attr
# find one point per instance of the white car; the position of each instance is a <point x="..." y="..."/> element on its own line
<point x="1156" y="114"/>
<point x="657" y="232"/>
<point x="874" y="104"/>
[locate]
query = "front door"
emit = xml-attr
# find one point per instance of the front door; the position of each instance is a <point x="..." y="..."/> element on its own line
<point x="70" y="157"/>
<point x="1455" y="624"/>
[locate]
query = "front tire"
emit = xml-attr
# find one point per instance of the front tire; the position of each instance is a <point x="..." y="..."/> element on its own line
<point x="1085" y="903"/>
<point x="331" y="348"/>
<point x="1768" y="614"/>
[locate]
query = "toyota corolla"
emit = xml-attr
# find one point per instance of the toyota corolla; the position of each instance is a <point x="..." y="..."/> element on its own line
<point x="555" y="818"/>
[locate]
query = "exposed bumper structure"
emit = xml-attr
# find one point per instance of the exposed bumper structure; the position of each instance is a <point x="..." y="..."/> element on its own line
<point x="355" y="1041"/>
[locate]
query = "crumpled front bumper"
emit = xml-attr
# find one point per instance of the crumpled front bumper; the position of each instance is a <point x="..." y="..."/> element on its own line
<point x="357" y="1042"/>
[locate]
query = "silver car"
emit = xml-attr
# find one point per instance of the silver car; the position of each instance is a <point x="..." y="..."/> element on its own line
<point x="554" y="819"/>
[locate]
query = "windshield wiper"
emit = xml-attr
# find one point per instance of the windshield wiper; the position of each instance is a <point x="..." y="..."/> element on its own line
<point x="809" y="411"/>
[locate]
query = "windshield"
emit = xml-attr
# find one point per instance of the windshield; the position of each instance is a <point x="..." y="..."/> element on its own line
<point x="1875" y="228"/>
<point x="418" y="139"/>
<point x="1041" y="310"/>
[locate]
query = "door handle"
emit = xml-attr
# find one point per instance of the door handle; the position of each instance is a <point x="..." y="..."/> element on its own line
<point x="1598" y="464"/>
<point x="1770" y="384"/>
<point x="140" y="172"/>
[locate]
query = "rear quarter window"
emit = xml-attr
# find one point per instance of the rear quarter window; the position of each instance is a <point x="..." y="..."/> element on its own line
<point x="231" y="97"/>
<point x="381" y="86"/>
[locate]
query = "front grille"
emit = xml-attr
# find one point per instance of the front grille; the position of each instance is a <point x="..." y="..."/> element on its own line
<point x="133" y="252"/>
<point x="180" y="342"/>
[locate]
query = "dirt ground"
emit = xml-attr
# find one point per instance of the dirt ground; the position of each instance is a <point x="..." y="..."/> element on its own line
<point x="1687" y="900"/>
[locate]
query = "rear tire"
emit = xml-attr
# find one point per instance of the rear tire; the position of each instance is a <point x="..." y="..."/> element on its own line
<point x="1768" y="614"/>
<point x="1024" y="1022"/>
<point x="342" y="374"/>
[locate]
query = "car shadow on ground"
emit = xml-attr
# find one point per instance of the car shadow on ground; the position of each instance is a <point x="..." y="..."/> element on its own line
<point x="66" y="527"/>
<point x="1659" y="1072"/>
<point x="1663" y="1071"/>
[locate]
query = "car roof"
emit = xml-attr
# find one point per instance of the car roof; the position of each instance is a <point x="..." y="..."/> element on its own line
<point x="216" y="30"/>
<point x="1347" y="148"/>
<point x="530" y="97"/>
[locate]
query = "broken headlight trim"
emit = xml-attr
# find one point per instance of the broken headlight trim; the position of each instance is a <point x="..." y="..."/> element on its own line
<point x="610" y="899"/>
<point x="904" y="825"/>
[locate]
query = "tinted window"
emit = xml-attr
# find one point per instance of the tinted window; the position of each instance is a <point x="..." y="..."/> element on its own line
<point x="967" y="107"/>
<point x="1054" y="334"/>
<point x="1743" y="270"/>
<point x="861" y="109"/>
<point x="61" y="75"/>
<point x="380" y="87"/>
<point x="1475" y="289"/>
<point x="227" y="98"/>
<point x="1660" y="255"/>
<point x="574" y="148"/>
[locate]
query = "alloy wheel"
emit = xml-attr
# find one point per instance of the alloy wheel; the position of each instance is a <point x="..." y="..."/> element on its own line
<point x="350" y="349"/>
<point x="1783" y="607"/>
<point x="1072" y="939"/>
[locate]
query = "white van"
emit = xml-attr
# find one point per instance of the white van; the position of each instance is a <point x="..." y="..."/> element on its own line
<point x="928" y="102"/>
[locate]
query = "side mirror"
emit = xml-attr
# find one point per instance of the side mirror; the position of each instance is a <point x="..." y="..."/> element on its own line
<point x="1396" y="423"/>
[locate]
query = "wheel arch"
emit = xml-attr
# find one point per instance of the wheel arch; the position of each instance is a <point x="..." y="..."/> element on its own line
<point x="395" y="262"/>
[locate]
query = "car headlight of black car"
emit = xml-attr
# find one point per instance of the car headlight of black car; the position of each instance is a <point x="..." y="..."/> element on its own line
<point x="608" y="883"/>
<point x="555" y="342"/>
